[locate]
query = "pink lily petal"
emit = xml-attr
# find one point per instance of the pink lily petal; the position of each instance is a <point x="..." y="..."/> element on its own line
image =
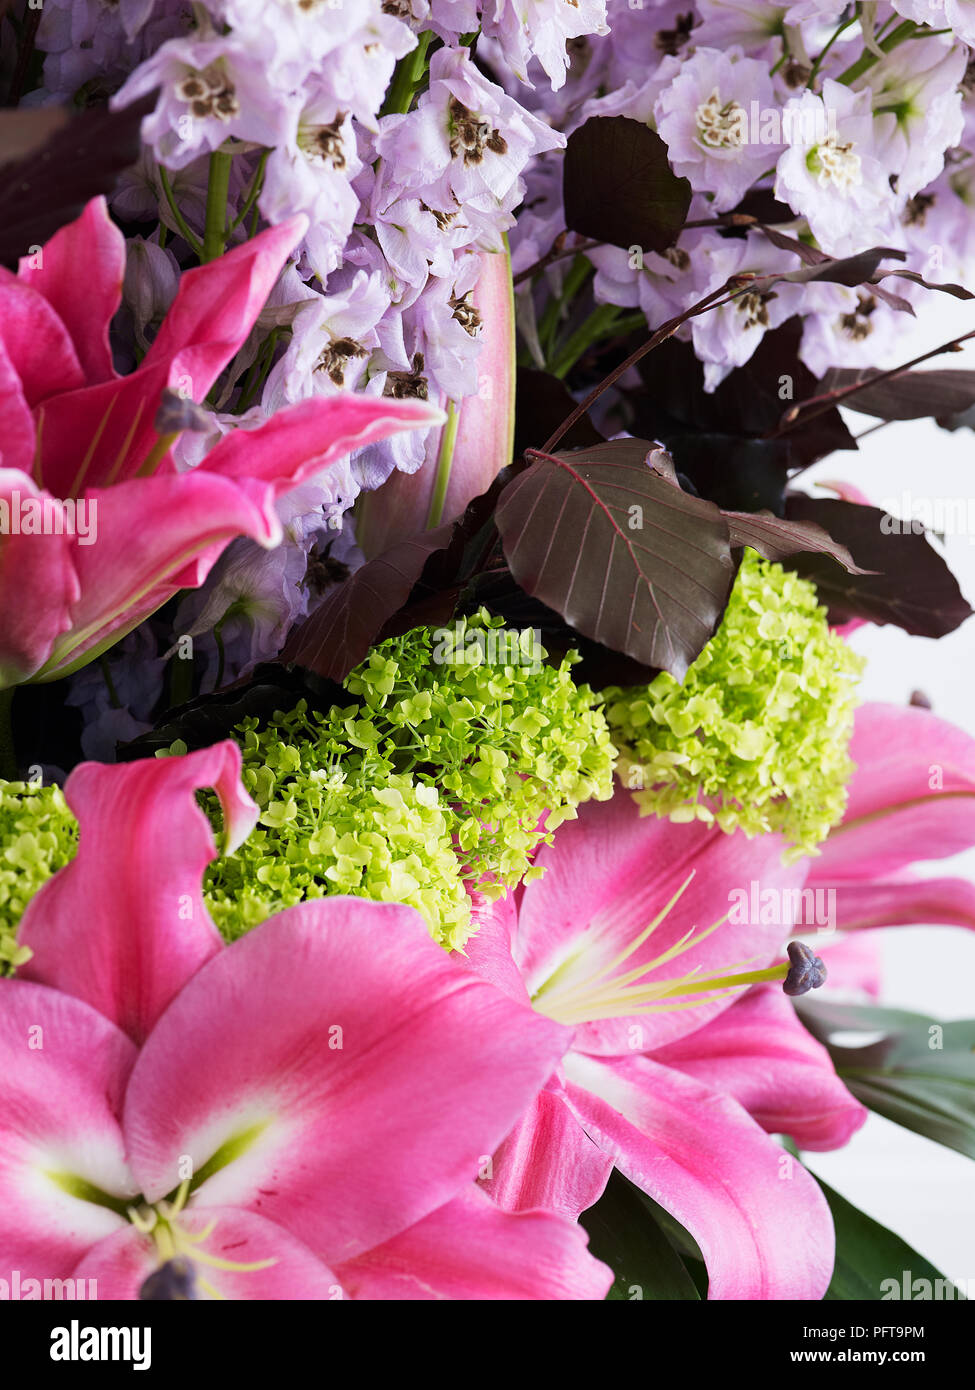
<point x="548" y="1161"/>
<point x="101" y="434"/>
<point x="488" y="950"/>
<point x="912" y="797"/>
<point x="17" y="435"/>
<point x="216" y="305"/>
<point x="63" y="1070"/>
<point x="758" y="1052"/>
<point x="92" y="245"/>
<point x="469" y="1249"/>
<point x="608" y="875"/>
<point x="300" y="441"/>
<point x="143" y="848"/>
<point x="854" y="964"/>
<point x="214" y="310"/>
<point x="902" y="900"/>
<point x="36" y="342"/>
<point x="132" y="568"/>
<point x="761" y="1221"/>
<point x="38" y="586"/>
<point x="344" y="1136"/>
<point x="121" y="1263"/>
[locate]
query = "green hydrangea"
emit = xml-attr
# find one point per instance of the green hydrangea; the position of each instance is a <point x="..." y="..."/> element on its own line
<point x="320" y="833"/>
<point x="438" y="778"/>
<point x="757" y="735"/>
<point x="38" y="836"/>
<point x="503" y="743"/>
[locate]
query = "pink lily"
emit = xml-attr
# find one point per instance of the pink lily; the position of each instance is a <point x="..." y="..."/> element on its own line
<point x="912" y="798"/>
<point x="301" y="1115"/>
<point x="680" y="1095"/>
<point x="465" y="457"/>
<point x="624" y="939"/>
<point x="88" y="451"/>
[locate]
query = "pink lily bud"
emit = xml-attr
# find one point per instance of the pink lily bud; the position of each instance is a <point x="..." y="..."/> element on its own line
<point x="466" y="455"/>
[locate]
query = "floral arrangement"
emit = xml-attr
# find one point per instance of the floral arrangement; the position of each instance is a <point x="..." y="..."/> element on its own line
<point x="429" y="688"/>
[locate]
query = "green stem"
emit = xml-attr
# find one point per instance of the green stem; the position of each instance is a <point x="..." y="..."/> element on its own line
<point x="868" y="59"/>
<point x="602" y="319"/>
<point x="406" y="78"/>
<point x="218" y="189"/>
<point x="444" y="461"/>
<point x="113" y="698"/>
<point x="828" y="45"/>
<point x="180" y="681"/>
<point x="576" y="277"/>
<point x="189" y="237"/>
<point x="8" y="756"/>
<point x="221" y="653"/>
<point x="262" y="364"/>
<point x="254" y="192"/>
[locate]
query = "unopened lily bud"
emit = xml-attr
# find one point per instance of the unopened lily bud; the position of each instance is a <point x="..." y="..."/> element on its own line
<point x="149" y="287"/>
<point x="467" y="454"/>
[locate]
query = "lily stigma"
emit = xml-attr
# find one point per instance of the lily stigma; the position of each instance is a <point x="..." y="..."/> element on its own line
<point x="572" y="995"/>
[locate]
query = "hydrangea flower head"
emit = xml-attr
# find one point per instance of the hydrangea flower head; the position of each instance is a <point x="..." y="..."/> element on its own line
<point x="322" y="832"/>
<point x="38" y="836"/>
<point x="756" y="738"/>
<point x="466" y="752"/>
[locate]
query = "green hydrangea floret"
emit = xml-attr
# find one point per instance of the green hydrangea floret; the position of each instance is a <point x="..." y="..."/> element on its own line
<point x="38" y="836"/>
<point x="448" y="774"/>
<point x="320" y="833"/>
<point x="757" y="735"/>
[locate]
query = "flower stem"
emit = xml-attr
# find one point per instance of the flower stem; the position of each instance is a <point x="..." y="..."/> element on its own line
<point x="444" y="461"/>
<point x="191" y="240"/>
<point x="218" y="187"/>
<point x="600" y="322"/>
<point x="868" y="59"/>
<point x="255" y="189"/>
<point x="814" y="71"/>
<point x="406" y="78"/>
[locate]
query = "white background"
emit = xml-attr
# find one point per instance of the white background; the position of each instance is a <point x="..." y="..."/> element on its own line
<point x="922" y="1190"/>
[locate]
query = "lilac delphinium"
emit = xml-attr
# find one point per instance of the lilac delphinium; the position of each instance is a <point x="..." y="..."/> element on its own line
<point x="711" y="117"/>
<point x="958" y="15"/>
<point x="727" y="336"/>
<point x="831" y="172"/>
<point x="917" y="108"/>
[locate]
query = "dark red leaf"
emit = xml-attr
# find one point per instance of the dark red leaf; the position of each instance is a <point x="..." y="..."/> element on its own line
<point x="909" y="583"/>
<point x="617" y="549"/>
<point x="618" y="186"/>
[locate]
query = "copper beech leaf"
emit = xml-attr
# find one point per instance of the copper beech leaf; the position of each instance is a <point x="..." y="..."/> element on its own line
<point x="617" y="548"/>
<point x="906" y="582"/>
<point x="618" y="186"/>
<point x="606" y="537"/>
